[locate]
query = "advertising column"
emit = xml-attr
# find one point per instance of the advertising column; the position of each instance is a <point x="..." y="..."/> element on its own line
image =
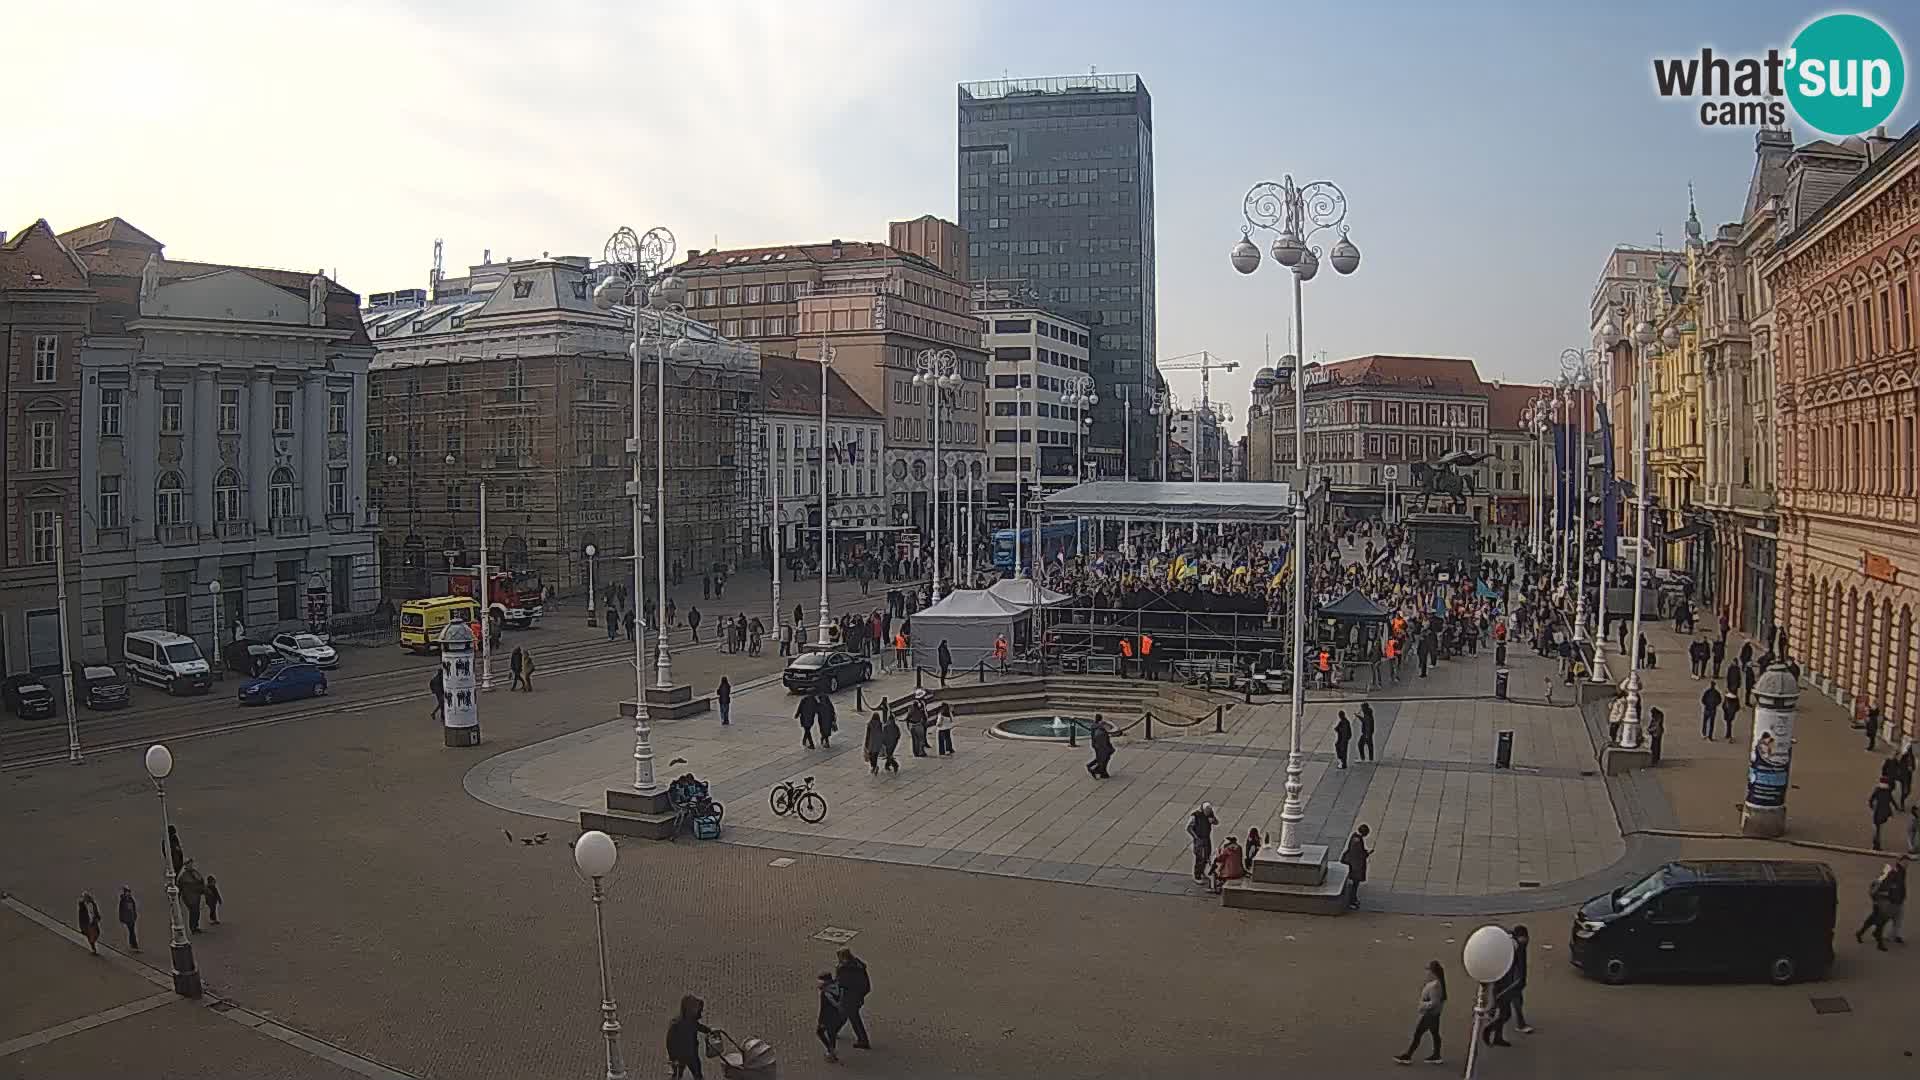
<point x="460" y="698"/>
<point x="1776" y="696"/>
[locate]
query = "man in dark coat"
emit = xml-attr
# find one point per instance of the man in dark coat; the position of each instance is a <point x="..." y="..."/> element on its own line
<point x="1709" y="705"/>
<point x="876" y="739"/>
<point x="1366" y="729"/>
<point x="1102" y="740"/>
<point x="804" y="712"/>
<point x="1342" y="732"/>
<point x="693" y="623"/>
<point x="1355" y="858"/>
<point x="946" y="659"/>
<point x="855" y="984"/>
<point x="824" y="716"/>
<point x="889" y="738"/>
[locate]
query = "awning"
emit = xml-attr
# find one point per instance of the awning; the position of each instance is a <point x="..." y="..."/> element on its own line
<point x="1175" y="502"/>
<point x="1355" y="605"/>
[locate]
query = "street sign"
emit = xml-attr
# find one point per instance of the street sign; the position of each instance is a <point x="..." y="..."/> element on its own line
<point x="1392" y="473"/>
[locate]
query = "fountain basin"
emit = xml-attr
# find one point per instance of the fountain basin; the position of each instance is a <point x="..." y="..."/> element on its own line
<point x="1045" y="728"/>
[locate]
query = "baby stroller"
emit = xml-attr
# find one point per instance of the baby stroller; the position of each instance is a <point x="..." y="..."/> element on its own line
<point x="751" y="1060"/>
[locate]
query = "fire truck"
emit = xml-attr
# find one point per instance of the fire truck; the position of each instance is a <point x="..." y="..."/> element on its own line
<point x="513" y="596"/>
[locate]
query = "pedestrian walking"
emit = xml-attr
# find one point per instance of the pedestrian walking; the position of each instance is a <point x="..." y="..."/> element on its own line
<point x="890" y="738"/>
<point x="1729" y="705"/>
<point x="1709" y="705"/>
<point x="1718" y="654"/>
<point x="438" y="687"/>
<point x="1880" y="911"/>
<point x="213" y="900"/>
<point x="673" y="612"/>
<point x="173" y="849"/>
<point x="876" y="740"/>
<point x="1873" y="722"/>
<point x="693" y="623"/>
<point x="1433" y="1000"/>
<point x="1903" y="778"/>
<point x="1200" y="828"/>
<point x="613" y="623"/>
<point x="706" y="586"/>
<point x="1355" y="858"/>
<point x="1656" y="729"/>
<point x="799" y="615"/>
<point x="1880" y="806"/>
<point x="1896" y="892"/>
<point x="1508" y="995"/>
<point x="130" y="917"/>
<point x="943" y="725"/>
<point x="786" y="639"/>
<point x="1102" y="739"/>
<point x="825" y="717"/>
<point x="804" y="712"/>
<point x="514" y="662"/>
<point x="723" y="697"/>
<point x="831" y="1018"/>
<point x="1366" y="731"/>
<point x="526" y="671"/>
<point x="1913" y="829"/>
<point x="90" y="922"/>
<point x="1342" y="734"/>
<point x="193" y="890"/>
<point x="683" y="1038"/>
<point x="917" y="723"/>
<point x="946" y="660"/>
<point x="855" y="984"/>
<point x="630" y="625"/>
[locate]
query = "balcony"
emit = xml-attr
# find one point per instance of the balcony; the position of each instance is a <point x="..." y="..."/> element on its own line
<point x="232" y="530"/>
<point x="290" y="526"/>
<point x="179" y="534"/>
<point x="114" y="539"/>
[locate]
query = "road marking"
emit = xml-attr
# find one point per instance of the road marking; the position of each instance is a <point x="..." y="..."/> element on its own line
<point x="87" y="1023"/>
<point x="835" y="935"/>
<point x="781" y="863"/>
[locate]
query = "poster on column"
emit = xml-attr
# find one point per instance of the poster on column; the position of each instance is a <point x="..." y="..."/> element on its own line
<point x="1770" y="757"/>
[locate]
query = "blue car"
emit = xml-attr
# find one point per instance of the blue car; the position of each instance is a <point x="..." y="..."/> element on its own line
<point x="283" y="682"/>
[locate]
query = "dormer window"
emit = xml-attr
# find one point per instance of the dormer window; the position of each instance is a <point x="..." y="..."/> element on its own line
<point x="580" y="289"/>
<point x="522" y="288"/>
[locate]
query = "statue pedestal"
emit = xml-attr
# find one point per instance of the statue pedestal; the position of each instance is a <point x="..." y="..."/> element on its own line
<point x="1443" y="537"/>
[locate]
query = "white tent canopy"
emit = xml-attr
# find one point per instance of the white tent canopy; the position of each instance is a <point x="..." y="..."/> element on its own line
<point x="1263" y="504"/>
<point x="1025" y="593"/>
<point x="969" y="621"/>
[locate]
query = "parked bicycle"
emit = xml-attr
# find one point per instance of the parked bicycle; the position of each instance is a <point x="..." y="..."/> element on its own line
<point x="800" y="799"/>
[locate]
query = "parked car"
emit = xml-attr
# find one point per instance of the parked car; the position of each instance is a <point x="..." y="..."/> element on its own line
<point x="167" y="660"/>
<point x="100" y="686"/>
<point x="27" y="697"/>
<point x="307" y="649"/>
<point x="827" y="671"/>
<point x="249" y="657"/>
<point x="1739" y="917"/>
<point x="284" y="682"/>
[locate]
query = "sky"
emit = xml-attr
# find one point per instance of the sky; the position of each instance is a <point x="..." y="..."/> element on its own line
<point x="1491" y="153"/>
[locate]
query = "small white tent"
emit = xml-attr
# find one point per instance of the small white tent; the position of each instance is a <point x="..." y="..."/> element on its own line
<point x="1026" y="593"/>
<point x="968" y="620"/>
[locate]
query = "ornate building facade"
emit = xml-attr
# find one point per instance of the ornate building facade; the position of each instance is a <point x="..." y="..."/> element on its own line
<point x="1676" y="448"/>
<point x="1845" y="278"/>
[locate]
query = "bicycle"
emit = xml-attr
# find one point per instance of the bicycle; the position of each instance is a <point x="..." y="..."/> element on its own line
<point x="800" y="799"/>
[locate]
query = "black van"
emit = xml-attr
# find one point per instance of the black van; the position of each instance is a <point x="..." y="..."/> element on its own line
<point x="1741" y="917"/>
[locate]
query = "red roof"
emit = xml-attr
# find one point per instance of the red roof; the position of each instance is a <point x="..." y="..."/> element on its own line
<point x="1507" y="401"/>
<point x="110" y="232"/>
<point x="34" y="258"/>
<point x="792" y="388"/>
<point x="1424" y="372"/>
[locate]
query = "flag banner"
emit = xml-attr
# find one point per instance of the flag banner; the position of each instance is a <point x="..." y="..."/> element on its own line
<point x="1609" y="497"/>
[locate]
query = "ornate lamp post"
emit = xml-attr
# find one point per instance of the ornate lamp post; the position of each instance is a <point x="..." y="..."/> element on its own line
<point x="1487" y="957"/>
<point x="1161" y="410"/>
<point x="938" y="370"/>
<point x="632" y="261"/>
<point x="826" y="618"/>
<point x="1295" y="215"/>
<point x="1630" y="726"/>
<point x="592" y="619"/>
<point x="1577" y="368"/>
<point x="594" y="855"/>
<point x="1081" y="398"/>
<point x="186" y="977"/>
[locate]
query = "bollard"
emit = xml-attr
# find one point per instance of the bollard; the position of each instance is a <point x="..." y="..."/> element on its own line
<point x="859" y="699"/>
<point x="1073" y="729"/>
<point x="1219" y="713"/>
<point x="983" y="669"/>
<point x="917" y="672"/>
<point x="1149" y="717"/>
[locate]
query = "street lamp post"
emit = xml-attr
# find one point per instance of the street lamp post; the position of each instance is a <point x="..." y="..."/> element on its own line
<point x="592" y="619"/>
<point x="1080" y="395"/>
<point x="1162" y="413"/>
<point x="826" y="617"/>
<point x="631" y="261"/>
<point x="219" y="669"/>
<point x="1295" y="215"/>
<point x="186" y="977"/>
<point x="1573" y="365"/>
<point x="66" y="660"/>
<point x="1487" y="957"/>
<point x="937" y="370"/>
<point x="594" y="855"/>
<point x="1630" y="724"/>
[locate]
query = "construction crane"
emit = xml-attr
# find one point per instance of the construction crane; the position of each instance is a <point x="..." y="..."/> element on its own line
<point x="1206" y="364"/>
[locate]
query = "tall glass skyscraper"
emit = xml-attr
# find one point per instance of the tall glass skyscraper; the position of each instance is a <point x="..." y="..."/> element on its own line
<point x="1056" y="194"/>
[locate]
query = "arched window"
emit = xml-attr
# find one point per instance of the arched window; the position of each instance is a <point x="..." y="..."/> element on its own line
<point x="226" y="496"/>
<point x="170" y="502"/>
<point x="282" y="491"/>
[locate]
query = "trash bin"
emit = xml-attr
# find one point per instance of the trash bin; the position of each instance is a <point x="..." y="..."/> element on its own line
<point x="1500" y="683"/>
<point x="1503" y="753"/>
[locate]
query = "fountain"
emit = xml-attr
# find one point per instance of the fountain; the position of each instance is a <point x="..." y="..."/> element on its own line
<point x="1045" y="728"/>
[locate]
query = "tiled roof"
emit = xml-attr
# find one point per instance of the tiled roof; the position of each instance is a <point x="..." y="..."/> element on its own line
<point x="34" y="258"/>
<point x="111" y="231"/>
<point x="1505" y="403"/>
<point x="792" y="388"/>
<point x="118" y="275"/>
<point x="1424" y="372"/>
<point x="791" y="254"/>
<point x="1820" y="189"/>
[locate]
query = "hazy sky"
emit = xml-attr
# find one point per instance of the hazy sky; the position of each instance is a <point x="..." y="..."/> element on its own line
<point x="1491" y="153"/>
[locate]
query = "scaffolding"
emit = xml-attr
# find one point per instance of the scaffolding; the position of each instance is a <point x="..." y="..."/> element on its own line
<point x="540" y="410"/>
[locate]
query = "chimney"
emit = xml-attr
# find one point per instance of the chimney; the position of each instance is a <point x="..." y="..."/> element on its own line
<point x="837" y="247"/>
<point x="693" y="253"/>
<point x="486" y="256"/>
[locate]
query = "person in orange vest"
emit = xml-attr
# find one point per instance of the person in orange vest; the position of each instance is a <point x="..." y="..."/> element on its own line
<point x="900" y="650"/>
<point x="1326" y="667"/>
<point x="1000" y="651"/>
<point x="1393" y="657"/>
<point x="1126" y="655"/>
<point x="1146" y="656"/>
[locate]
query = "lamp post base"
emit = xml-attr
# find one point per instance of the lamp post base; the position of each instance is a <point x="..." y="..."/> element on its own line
<point x="1763" y="821"/>
<point x="462" y="736"/>
<point x="186" y="977"/>
<point x="1617" y="760"/>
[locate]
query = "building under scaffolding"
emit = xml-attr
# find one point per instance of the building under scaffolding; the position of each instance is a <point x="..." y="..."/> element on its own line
<point x="511" y="378"/>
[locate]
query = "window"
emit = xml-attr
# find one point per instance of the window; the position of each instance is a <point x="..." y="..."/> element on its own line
<point x="1633" y="266"/>
<point x="170" y="501"/>
<point x="730" y="328"/>
<point x="40" y="530"/>
<point x="753" y="327"/>
<point x="337" y="412"/>
<point x="776" y="326"/>
<point x="732" y="295"/>
<point x="1677" y="906"/>
<point x="43" y="445"/>
<point x="46" y="358"/>
<point x="336" y="491"/>
<point x="226" y="496"/>
<point x="229" y="410"/>
<point x="170" y="412"/>
<point x="776" y="294"/>
<point x="109" y="502"/>
<point x="110" y="410"/>
<point x="709" y="297"/>
<point x="802" y="288"/>
<point x="1906" y="318"/>
<point x="456" y="437"/>
<point x="753" y="294"/>
<point x="281" y="490"/>
<point x="283" y="410"/>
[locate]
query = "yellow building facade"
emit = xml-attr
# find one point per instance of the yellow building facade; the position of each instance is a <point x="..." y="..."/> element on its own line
<point x="1676" y="440"/>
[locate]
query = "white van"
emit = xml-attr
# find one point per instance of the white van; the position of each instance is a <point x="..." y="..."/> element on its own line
<point x="167" y="660"/>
